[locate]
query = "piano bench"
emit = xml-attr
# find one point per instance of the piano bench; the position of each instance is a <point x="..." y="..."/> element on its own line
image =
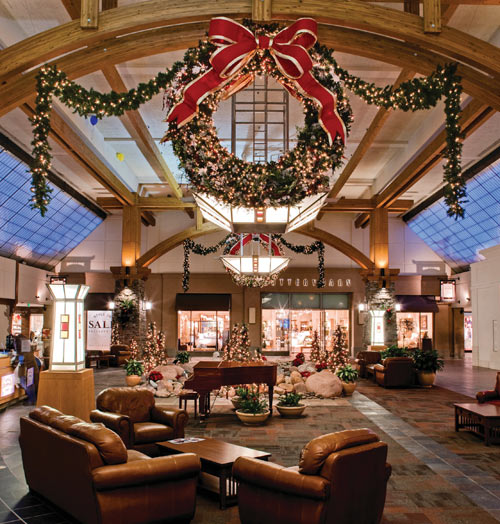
<point x="189" y="394"/>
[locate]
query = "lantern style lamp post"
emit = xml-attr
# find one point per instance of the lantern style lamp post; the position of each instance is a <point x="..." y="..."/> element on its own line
<point x="67" y="385"/>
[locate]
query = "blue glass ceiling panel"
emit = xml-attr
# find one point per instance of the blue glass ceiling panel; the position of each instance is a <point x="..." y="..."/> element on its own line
<point x="458" y="242"/>
<point x="24" y="234"/>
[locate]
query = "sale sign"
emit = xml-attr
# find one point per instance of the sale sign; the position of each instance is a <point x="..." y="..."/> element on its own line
<point x="99" y="329"/>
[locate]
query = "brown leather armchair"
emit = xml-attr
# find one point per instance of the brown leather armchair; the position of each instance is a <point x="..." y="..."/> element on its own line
<point x="341" y="478"/>
<point x="86" y="470"/>
<point x="120" y="353"/>
<point x="133" y="415"/>
<point x="365" y="362"/>
<point x="395" y="372"/>
<point x="491" y="396"/>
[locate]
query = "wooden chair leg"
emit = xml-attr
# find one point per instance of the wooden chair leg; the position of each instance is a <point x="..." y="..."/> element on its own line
<point x="195" y="408"/>
<point x="180" y="402"/>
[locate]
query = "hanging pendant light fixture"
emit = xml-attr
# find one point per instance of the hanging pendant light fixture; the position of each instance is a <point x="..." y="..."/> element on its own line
<point x="259" y="219"/>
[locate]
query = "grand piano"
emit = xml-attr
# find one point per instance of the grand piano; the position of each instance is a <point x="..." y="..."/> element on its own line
<point x="209" y="375"/>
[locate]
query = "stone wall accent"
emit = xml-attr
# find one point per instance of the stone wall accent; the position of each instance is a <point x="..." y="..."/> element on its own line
<point x="136" y="326"/>
<point x="381" y="298"/>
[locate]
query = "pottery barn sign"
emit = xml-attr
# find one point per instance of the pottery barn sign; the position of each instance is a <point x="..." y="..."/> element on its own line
<point x="99" y="329"/>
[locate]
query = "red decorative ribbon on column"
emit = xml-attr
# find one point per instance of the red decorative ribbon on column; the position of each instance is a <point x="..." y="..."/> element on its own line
<point x="237" y="45"/>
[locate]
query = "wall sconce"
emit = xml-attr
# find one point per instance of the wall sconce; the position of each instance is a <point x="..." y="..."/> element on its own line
<point x="111" y="305"/>
<point x="362" y="306"/>
<point x="398" y="307"/>
<point x="147" y="306"/>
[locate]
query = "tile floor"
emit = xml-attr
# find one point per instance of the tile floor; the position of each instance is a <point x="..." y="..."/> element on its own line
<point x="438" y="476"/>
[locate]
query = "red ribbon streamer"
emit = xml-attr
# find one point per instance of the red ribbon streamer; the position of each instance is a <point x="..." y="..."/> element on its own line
<point x="237" y="45"/>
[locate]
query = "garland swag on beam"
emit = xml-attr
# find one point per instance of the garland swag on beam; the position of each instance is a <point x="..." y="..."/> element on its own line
<point x="416" y="94"/>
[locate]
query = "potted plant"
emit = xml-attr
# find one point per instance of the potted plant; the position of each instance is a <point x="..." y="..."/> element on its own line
<point x="242" y="393"/>
<point x="289" y="405"/>
<point x="348" y="376"/>
<point x="427" y="364"/>
<point x="394" y="351"/>
<point x="182" y="357"/>
<point x="134" y="370"/>
<point x="253" y="411"/>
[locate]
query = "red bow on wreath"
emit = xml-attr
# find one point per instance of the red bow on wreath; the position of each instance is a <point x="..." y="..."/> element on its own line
<point x="237" y="45"/>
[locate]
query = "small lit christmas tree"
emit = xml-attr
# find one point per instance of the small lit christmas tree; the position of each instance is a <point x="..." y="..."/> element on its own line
<point x="339" y="355"/>
<point x="238" y="345"/>
<point x="115" y="334"/>
<point x="318" y="354"/>
<point x="134" y="350"/>
<point x="154" y="353"/>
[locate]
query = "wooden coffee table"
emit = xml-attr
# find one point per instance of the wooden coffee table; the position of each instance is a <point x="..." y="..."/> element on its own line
<point x="217" y="459"/>
<point x="482" y="419"/>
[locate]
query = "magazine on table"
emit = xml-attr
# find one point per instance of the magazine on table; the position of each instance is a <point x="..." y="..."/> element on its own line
<point x="187" y="440"/>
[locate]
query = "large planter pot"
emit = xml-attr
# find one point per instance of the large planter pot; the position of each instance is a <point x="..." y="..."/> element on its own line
<point x="132" y="380"/>
<point x="250" y="419"/>
<point x="291" y="411"/>
<point x="236" y="401"/>
<point x="426" y="378"/>
<point x="348" y="388"/>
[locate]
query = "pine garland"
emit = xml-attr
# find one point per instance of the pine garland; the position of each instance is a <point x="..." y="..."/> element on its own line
<point x="267" y="184"/>
<point x="315" y="247"/>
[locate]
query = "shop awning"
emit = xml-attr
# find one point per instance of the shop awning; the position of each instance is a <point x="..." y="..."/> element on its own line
<point x="202" y="302"/>
<point x="417" y="303"/>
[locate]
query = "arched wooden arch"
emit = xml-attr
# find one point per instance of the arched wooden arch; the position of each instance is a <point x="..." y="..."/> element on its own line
<point x="192" y="232"/>
<point x="360" y="16"/>
<point x="172" y="38"/>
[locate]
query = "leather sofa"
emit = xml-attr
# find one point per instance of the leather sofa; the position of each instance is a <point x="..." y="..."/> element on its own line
<point x="395" y="372"/>
<point x="120" y="353"/>
<point x="365" y="362"/>
<point x="491" y="396"/>
<point x="133" y="415"/>
<point x="86" y="470"/>
<point x="341" y="477"/>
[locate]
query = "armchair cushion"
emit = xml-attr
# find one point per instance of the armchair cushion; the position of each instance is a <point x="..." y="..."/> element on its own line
<point x="315" y="452"/>
<point x="277" y="478"/>
<point x="134" y="403"/>
<point x="45" y="414"/>
<point x="492" y="395"/>
<point x="135" y="473"/>
<point x="379" y="367"/>
<point x="108" y="443"/>
<point x="169" y="416"/>
<point x="147" y="432"/>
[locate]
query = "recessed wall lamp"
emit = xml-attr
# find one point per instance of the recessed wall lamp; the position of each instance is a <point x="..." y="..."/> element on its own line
<point x="362" y="306"/>
<point x="111" y="305"/>
<point x="147" y="305"/>
<point x="398" y="307"/>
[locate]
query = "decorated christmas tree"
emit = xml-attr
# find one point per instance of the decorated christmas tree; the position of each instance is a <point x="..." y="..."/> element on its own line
<point x="339" y="355"/>
<point x="238" y="345"/>
<point x="115" y="333"/>
<point x="318" y="354"/>
<point x="134" y="350"/>
<point x="154" y="353"/>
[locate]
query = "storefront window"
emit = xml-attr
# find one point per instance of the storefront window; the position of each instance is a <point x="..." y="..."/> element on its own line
<point x="203" y="330"/>
<point x="290" y="320"/>
<point x="412" y="328"/>
<point x="467" y="331"/>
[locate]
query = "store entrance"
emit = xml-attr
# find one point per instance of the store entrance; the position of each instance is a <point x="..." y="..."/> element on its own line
<point x="290" y="320"/>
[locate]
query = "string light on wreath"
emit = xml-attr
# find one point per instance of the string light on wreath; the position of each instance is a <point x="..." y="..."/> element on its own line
<point x="210" y="167"/>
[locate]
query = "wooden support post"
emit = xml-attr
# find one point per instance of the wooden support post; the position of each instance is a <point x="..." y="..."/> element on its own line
<point x="89" y="18"/>
<point x="432" y="16"/>
<point x="379" y="237"/>
<point x="199" y="218"/>
<point x="131" y="235"/>
<point x="261" y="10"/>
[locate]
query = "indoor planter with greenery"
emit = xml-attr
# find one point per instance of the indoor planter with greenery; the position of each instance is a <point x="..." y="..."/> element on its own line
<point x="289" y="405"/>
<point x="394" y="351"/>
<point x="348" y="376"/>
<point x="182" y="357"/>
<point x="242" y="393"/>
<point x="134" y="370"/>
<point x="253" y="411"/>
<point x="427" y="364"/>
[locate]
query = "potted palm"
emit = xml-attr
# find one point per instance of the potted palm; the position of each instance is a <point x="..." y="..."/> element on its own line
<point x="134" y="370"/>
<point x="348" y="376"/>
<point x="427" y="364"/>
<point x="289" y="405"/>
<point x="253" y="411"/>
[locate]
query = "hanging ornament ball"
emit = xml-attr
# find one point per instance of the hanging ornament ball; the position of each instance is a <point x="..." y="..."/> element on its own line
<point x="120" y="156"/>
<point x="94" y="120"/>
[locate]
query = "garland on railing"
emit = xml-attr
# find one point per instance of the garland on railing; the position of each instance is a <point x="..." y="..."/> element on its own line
<point x="419" y="93"/>
<point x="315" y="247"/>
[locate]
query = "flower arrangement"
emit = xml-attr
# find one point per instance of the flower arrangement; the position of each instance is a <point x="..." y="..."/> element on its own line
<point x="320" y="366"/>
<point x="299" y="359"/>
<point x="155" y="376"/>
<point x="290" y="399"/>
<point x="305" y="374"/>
<point x="253" y="404"/>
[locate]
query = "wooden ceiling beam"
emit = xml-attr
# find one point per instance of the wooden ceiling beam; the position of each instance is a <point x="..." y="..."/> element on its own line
<point x="155" y="13"/>
<point x="473" y="116"/>
<point x="20" y="88"/>
<point x="152" y="203"/>
<point x="360" y="205"/>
